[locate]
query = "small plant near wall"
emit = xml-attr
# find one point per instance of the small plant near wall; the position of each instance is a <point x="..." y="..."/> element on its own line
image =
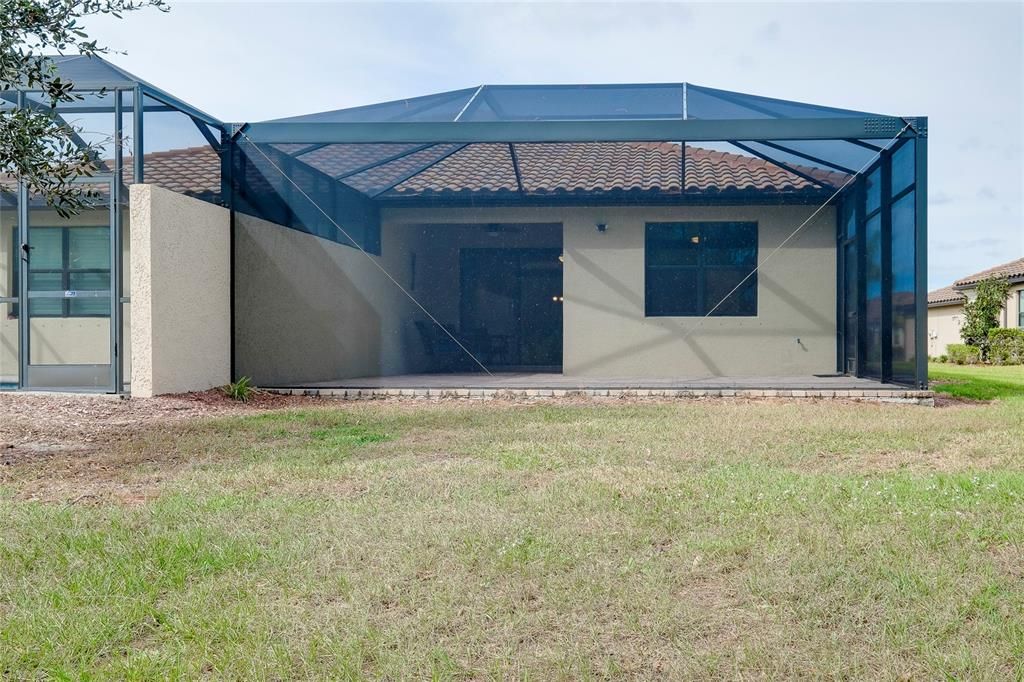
<point x="242" y="390"/>
<point x="981" y="315"/>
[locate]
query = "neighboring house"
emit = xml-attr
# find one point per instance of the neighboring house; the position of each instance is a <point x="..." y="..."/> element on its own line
<point x="945" y="317"/>
<point x="640" y="233"/>
<point x="946" y="305"/>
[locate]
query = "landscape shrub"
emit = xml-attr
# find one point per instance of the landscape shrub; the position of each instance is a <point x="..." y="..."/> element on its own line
<point x="981" y="314"/>
<point x="241" y="390"/>
<point x="962" y="354"/>
<point x="943" y="358"/>
<point x="1006" y="346"/>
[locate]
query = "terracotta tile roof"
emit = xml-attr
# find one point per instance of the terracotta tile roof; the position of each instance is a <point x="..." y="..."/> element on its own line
<point x="1013" y="270"/>
<point x="341" y="159"/>
<point x="380" y="178"/>
<point x="945" y="296"/>
<point x="551" y="168"/>
<point x="194" y="171"/>
<point x="486" y="168"/>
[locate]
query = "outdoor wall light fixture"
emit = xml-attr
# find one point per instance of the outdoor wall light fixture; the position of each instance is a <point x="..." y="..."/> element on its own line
<point x="602" y="227"/>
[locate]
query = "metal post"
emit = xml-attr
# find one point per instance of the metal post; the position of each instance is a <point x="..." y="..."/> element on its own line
<point x="860" y="194"/>
<point x="116" y="253"/>
<point x="921" y="252"/>
<point x="115" y="272"/>
<point x="840" y="288"/>
<point x="886" y="217"/>
<point x="137" y="131"/>
<point x="229" y="152"/>
<point x="23" y="254"/>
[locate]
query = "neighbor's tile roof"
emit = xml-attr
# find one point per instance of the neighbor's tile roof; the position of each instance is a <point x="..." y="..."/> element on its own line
<point x="945" y="296"/>
<point x="1013" y="269"/>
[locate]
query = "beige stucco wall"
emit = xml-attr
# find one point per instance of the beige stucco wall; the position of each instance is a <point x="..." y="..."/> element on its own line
<point x="944" y="324"/>
<point x="1010" y="316"/>
<point x="605" y="331"/>
<point x="180" y="288"/>
<point x="310" y="309"/>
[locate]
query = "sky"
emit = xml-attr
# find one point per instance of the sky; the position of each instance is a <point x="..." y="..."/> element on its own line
<point x="960" y="64"/>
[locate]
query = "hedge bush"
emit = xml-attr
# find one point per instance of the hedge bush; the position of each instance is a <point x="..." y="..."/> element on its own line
<point x="1006" y="346"/>
<point x="962" y="354"/>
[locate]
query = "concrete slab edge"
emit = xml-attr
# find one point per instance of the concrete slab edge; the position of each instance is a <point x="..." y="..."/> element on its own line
<point x="912" y="397"/>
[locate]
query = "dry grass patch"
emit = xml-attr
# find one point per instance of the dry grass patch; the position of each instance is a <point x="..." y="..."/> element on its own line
<point x="466" y="540"/>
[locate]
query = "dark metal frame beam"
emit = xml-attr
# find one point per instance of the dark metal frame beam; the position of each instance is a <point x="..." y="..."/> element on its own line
<point x="783" y="166"/>
<point x="405" y="176"/>
<point x="515" y="168"/>
<point x="178" y="105"/>
<point x="309" y="148"/>
<point x="205" y="132"/>
<point x="55" y="113"/>
<point x="691" y="130"/>
<point x="808" y="157"/>
<point x="381" y="162"/>
<point x="866" y="145"/>
<point x="511" y="198"/>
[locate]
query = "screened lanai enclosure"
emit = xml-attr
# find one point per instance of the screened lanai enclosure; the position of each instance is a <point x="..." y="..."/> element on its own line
<point x="65" y="299"/>
<point x="594" y="234"/>
<point x="667" y="230"/>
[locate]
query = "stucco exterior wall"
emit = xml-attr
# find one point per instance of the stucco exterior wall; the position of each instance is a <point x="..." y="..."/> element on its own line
<point x="180" y="289"/>
<point x="1011" y="312"/>
<point x="944" y="324"/>
<point x="309" y="309"/>
<point x="605" y="331"/>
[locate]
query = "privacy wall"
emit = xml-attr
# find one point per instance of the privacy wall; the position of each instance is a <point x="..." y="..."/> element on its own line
<point x="181" y="301"/>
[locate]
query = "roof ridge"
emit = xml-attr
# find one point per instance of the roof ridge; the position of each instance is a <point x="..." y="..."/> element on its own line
<point x="1013" y="268"/>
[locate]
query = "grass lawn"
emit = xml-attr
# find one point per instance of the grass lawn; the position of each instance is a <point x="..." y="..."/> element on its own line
<point x="978" y="382"/>
<point x="467" y="540"/>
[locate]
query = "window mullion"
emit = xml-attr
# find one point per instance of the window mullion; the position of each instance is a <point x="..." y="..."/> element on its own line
<point x="65" y="264"/>
<point x="702" y="305"/>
